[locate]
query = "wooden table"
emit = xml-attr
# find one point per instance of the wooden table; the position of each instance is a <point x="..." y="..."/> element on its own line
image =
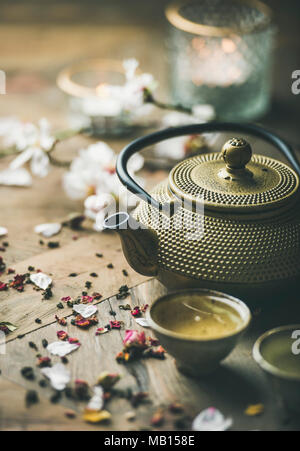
<point x="31" y="65"/>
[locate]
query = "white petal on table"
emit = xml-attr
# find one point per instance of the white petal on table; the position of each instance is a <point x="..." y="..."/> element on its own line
<point x="211" y="420"/>
<point x="97" y="401"/>
<point x="58" y="375"/>
<point x="15" y="177"/>
<point x="142" y="322"/>
<point x="85" y="310"/>
<point x="3" y="231"/>
<point x="41" y="280"/>
<point x="62" y="348"/>
<point x="48" y="230"/>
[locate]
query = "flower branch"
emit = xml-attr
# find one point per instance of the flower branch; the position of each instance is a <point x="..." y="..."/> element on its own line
<point x="149" y="98"/>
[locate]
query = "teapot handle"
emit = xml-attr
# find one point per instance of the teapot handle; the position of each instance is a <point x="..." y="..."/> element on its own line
<point x="173" y="132"/>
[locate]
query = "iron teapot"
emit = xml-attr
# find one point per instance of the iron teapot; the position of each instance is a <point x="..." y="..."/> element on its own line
<point x="227" y="221"/>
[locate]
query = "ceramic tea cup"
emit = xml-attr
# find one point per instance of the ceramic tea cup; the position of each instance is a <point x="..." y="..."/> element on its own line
<point x="277" y="352"/>
<point x="199" y="328"/>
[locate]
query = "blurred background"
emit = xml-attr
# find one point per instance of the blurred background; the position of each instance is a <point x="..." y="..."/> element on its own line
<point x="38" y="38"/>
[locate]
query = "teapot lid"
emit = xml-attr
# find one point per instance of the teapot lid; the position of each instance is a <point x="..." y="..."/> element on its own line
<point x="234" y="180"/>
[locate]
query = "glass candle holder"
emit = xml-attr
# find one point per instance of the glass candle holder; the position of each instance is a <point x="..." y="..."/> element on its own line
<point x="90" y="86"/>
<point x="221" y="54"/>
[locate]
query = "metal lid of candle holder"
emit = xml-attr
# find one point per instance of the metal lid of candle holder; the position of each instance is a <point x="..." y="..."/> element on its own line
<point x="219" y="18"/>
<point x="67" y="84"/>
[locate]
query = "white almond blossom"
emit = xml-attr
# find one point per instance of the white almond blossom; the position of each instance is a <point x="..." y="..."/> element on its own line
<point x="15" y="177"/>
<point x="33" y="142"/>
<point x="116" y="100"/>
<point x="8" y="127"/>
<point x="92" y="177"/>
<point x="3" y="231"/>
<point x="176" y="148"/>
<point x="135" y="86"/>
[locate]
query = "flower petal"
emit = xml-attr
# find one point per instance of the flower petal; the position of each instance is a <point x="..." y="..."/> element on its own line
<point x="3" y="231"/>
<point x="41" y="280"/>
<point x="211" y="420"/>
<point x="15" y="177"/>
<point x="21" y="159"/>
<point x="40" y="163"/>
<point x="62" y="348"/>
<point x="59" y="376"/>
<point x="142" y="322"/>
<point x="86" y="311"/>
<point x="48" y="230"/>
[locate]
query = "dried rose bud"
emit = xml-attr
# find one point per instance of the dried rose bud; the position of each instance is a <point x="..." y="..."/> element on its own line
<point x="62" y="335"/>
<point x="61" y="321"/>
<point x="3" y="286"/>
<point x="87" y="299"/>
<point x="115" y="324"/>
<point x="158" y="418"/>
<point x="66" y="298"/>
<point x="136" y="312"/>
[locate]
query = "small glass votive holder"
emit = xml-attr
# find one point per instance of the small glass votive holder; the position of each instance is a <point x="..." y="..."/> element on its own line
<point x="220" y="54"/>
<point x="89" y="86"/>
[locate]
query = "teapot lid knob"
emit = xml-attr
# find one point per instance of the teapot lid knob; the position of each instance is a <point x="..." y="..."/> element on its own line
<point x="237" y="153"/>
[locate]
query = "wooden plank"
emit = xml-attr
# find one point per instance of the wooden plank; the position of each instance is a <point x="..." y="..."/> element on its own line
<point x="76" y="257"/>
<point x="237" y="384"/>
<point x="96" y="354"/>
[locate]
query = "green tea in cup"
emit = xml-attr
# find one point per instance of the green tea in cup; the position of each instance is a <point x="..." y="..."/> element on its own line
<point x="202" y="317"/>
